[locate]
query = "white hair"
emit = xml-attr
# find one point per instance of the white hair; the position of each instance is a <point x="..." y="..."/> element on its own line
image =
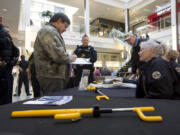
<point x="155" y="45"/>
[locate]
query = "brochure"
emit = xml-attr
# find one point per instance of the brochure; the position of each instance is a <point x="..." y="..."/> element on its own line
<point x="50" y="100"/>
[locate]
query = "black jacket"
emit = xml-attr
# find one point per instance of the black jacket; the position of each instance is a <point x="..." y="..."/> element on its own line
<point x="135" y="63"/>
<point x="156" y="79"/>
<point x="7" y="48"/>
<point x="86" y="52"/>
<point x="175" y="71"/>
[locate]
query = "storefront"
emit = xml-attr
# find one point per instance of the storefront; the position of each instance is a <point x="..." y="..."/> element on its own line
<point x="161" y="19"/>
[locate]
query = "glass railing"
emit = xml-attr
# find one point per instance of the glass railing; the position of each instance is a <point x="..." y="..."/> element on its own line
<point x="119" y="37"/>
<point x="160" y="25"/>
<point x="94" y="30"/>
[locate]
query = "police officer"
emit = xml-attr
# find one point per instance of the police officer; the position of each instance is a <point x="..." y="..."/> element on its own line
<point x="9" y="54"/>
<point x="23" y="76"/>
<point x="156" y="79"/>
<point x="85" y="51"/>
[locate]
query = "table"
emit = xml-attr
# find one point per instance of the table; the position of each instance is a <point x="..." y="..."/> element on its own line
<point x="121" y="123"/>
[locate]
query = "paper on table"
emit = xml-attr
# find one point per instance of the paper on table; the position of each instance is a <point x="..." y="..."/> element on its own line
<point x="115" y="85"/>
<point x="50" y="100"/>
<point x="82" y="61"/>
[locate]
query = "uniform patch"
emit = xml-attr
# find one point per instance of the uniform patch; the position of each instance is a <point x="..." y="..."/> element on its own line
<point x="156" y="75"/>
<point x="83" y="55"/>
<point x="178" y="69"/>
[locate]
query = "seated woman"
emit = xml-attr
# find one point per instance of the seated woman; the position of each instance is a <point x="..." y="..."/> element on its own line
<point x="156" y="80"/>
<point x="172" y="56"/>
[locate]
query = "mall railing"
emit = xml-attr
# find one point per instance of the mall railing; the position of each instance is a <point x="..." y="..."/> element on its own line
<point x="160" y="25"/>
<point x="119" y="37"/>
<point x="94" y="30"/>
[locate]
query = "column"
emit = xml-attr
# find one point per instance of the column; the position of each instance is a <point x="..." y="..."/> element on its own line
<point x="27" y="25"/>
<point x="126" y="20"/>
<point x="174" y="24"/>
<point x="86" y="16"/>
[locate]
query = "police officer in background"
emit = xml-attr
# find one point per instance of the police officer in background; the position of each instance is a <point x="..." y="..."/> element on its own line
<point x="23" y="76"/>
<point x="9" y="54"/>
<point x="85" y="51"/>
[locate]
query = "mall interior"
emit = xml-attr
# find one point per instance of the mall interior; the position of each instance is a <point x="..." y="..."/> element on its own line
<point x="156" y="19"/>
<point x="96" y="18"/>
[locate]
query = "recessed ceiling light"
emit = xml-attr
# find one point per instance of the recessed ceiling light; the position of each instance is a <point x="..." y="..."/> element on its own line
<point x="158" y="6"/>
<point x="4" y="10"/>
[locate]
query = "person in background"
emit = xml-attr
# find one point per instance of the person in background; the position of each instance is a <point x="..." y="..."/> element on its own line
<point x="32" y="77"/>
<point x="85" y="51"/>
<point x="97" y="72"/>
<point x="52" y="62"/>
<point x="134" y="41"/>
<point x="23" y="76"/>
<point x="172" y="56"/>
<point x="105" y="71"/>
<point x="9" y="54"/>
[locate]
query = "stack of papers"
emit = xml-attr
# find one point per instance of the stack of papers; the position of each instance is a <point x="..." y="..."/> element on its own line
<point x="50" y="100"/>
<point x="114" y="85"/>
<point x="82" y="61"/>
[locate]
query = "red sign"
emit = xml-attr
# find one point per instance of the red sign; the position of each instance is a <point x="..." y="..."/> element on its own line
<point x="160" y="14"/>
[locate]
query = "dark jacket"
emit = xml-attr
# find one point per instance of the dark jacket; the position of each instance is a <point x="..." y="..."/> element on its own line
<point x="175" y="66"/>
<point x="135" y="63"/>
<point x="156" y="79"/>
<point x="86" y="52"/>
<point x="175" y="71"/>
<point x="8" y="51"/>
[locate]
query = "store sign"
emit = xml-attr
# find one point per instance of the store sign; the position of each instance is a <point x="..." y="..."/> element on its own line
<point x="163" y="11"/>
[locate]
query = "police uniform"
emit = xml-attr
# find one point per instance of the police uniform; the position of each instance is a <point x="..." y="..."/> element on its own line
<point x="156" y="80"/>
<point x="8" y="58"/>
<point x="85" y="52"/>
<point x="23" y="77"/>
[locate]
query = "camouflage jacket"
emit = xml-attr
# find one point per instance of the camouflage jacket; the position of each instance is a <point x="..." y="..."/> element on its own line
<point x="50" y="56"/>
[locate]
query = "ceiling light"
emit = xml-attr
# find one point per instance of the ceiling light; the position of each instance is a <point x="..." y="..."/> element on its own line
<point x="4" y="10"/>
<point x="158" y="7"/>
<point x="83" y="17"/>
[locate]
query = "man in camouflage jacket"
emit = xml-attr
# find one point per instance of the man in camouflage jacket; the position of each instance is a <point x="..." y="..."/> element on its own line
<point x="50" y="56"/>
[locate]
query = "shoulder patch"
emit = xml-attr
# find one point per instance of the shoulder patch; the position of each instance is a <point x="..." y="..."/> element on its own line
<point x="156" y="75"/>
<point x="177" y="69"/>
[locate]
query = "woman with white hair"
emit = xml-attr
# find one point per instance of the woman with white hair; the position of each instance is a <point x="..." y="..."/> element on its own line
<point x="156" y="80"/>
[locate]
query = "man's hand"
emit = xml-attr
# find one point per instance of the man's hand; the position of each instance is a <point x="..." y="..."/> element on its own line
<point x="133" y="77"/>
<point x="20" y="69"/>
<point x="74" y="57"/>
